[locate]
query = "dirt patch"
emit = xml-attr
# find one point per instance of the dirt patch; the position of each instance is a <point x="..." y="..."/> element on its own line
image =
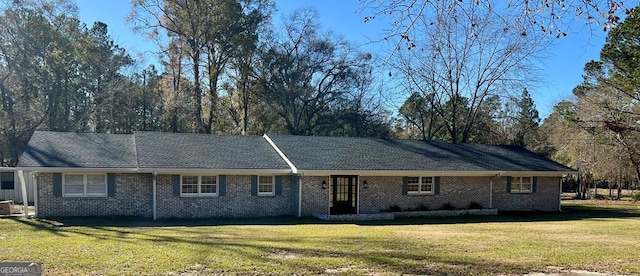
<point x="282" y="255"/>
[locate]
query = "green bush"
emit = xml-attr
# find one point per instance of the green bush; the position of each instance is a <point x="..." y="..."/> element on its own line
<point x="635" y="196"/>
<point x="447" y="206"/>
<point x="474" y="205"/>
<point x="392" y="208"/>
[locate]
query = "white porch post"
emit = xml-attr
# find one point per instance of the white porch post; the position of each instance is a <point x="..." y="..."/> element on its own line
<point x="23" y="187"/>
<point x="35" y="192"/>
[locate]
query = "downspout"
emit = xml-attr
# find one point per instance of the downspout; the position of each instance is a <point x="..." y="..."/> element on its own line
<point x="491" y="189"/>
<point x="560" y="197"/>
<point x="491" y="193"/>
<point x="155" y="182"/>
<point x="300" y="196"/>
<point x="358" y="195"/>
<point x="35" y="192"/>
<point x="23" y="188"/>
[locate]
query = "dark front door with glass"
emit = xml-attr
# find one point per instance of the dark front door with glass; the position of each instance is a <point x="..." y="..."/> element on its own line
<point x="344" y="193"/>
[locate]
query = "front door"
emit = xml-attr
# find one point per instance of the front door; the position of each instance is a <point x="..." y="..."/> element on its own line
<point x="344" y="193"/>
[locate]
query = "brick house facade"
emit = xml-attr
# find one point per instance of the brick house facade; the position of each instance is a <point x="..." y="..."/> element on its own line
<point x="162" y="175"/>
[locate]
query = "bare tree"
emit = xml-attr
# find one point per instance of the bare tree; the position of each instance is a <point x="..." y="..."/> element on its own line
<point x="464" y="53"/>
<point x="547" y="16"/>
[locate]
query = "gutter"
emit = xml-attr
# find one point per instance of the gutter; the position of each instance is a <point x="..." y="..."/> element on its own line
<point x="215" y="171"/>
<point x="436" y="173"/>
<point x="62" y="170"/>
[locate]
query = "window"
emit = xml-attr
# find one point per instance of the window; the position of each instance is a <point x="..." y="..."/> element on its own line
<point x="85" y="185"/>
<point x="521" y="184"/>
<point x="198" y="185"/>
<point x="420" y="185"/>
<point x="6" y="181"/>
<point x="266" y="185"/>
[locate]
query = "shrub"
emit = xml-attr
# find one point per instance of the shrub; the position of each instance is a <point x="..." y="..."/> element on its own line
<point x="635" y="196"/>
<point x="393" y="208"/>
<point x="447" y="206"/>
<point x="474" y="205"/>
<point x="421" y="207"/>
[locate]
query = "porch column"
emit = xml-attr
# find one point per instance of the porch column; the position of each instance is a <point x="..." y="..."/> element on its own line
<point x="23" y="187"/>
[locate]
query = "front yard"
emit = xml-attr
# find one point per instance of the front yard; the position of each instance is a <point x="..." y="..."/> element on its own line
<point x="587" y="236"/>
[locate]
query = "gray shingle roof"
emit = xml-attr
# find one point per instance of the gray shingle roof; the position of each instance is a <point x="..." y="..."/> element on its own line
<point x="79" y="150"/>
<point x="160" y="150"/>
<point x="350" y="153"/>
<point x="205" y="151"/>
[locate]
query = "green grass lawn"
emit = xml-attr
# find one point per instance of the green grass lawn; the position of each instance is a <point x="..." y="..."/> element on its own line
<point x="587" y="236"/>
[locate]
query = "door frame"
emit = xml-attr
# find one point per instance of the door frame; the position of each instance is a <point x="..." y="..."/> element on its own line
<point x="356" y="200"/>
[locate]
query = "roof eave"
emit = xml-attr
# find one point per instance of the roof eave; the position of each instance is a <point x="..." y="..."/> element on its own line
<point x="71" y="169"/>
<point x="216" y="171"/>
<point x="433" y="173"/>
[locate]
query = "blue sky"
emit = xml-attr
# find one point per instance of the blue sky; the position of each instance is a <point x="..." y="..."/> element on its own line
<point x="562" y="69"/>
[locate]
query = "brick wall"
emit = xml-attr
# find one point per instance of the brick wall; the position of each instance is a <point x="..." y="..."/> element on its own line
<point x="383" y="192"/>
<point x="315" y="200"/>
<point x="238" y="201"/>
<point x="546" y="197"/>
<point x="133" y="197"/>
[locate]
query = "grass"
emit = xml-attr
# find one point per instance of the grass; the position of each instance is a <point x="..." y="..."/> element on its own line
<point x="589" y="235"/>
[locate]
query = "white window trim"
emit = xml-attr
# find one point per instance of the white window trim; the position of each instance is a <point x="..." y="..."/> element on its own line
<point x="273" y="186"/>
<point x="200" y="193"/>
<point x="516" y="181"/>
<point x="84" y="184"/>
<point x="420" y="192"/>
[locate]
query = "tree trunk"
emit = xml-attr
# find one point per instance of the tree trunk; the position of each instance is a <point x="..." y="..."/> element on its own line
<point x="195" y="58"/>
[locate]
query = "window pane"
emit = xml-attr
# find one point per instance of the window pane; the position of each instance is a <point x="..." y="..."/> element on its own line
<point x="73" y="189"/>
<point x="265" y="179"/>
<point x="190" y="189"/>
<point x="526" y="180"/>
<point x="412" y="188"/>
<point x="189" y="179"/>
<point x="413" y="180"/>
<point x="95" y="180"/>
<point x="96" y="189"/>
<point x="265" y="188"/>
<point x="208" y="180"/>
<point x="515" y="184"/>
<point x="7" y="181"/>
<point x="73" y="179"/>
<point x="526" y="187"/>
<point x="427" y="180"/>
<point x="426" y="188"/>
<point x="96" y="184"/>
<point x="208" y="189"/>
<point x="73" y="184"/>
